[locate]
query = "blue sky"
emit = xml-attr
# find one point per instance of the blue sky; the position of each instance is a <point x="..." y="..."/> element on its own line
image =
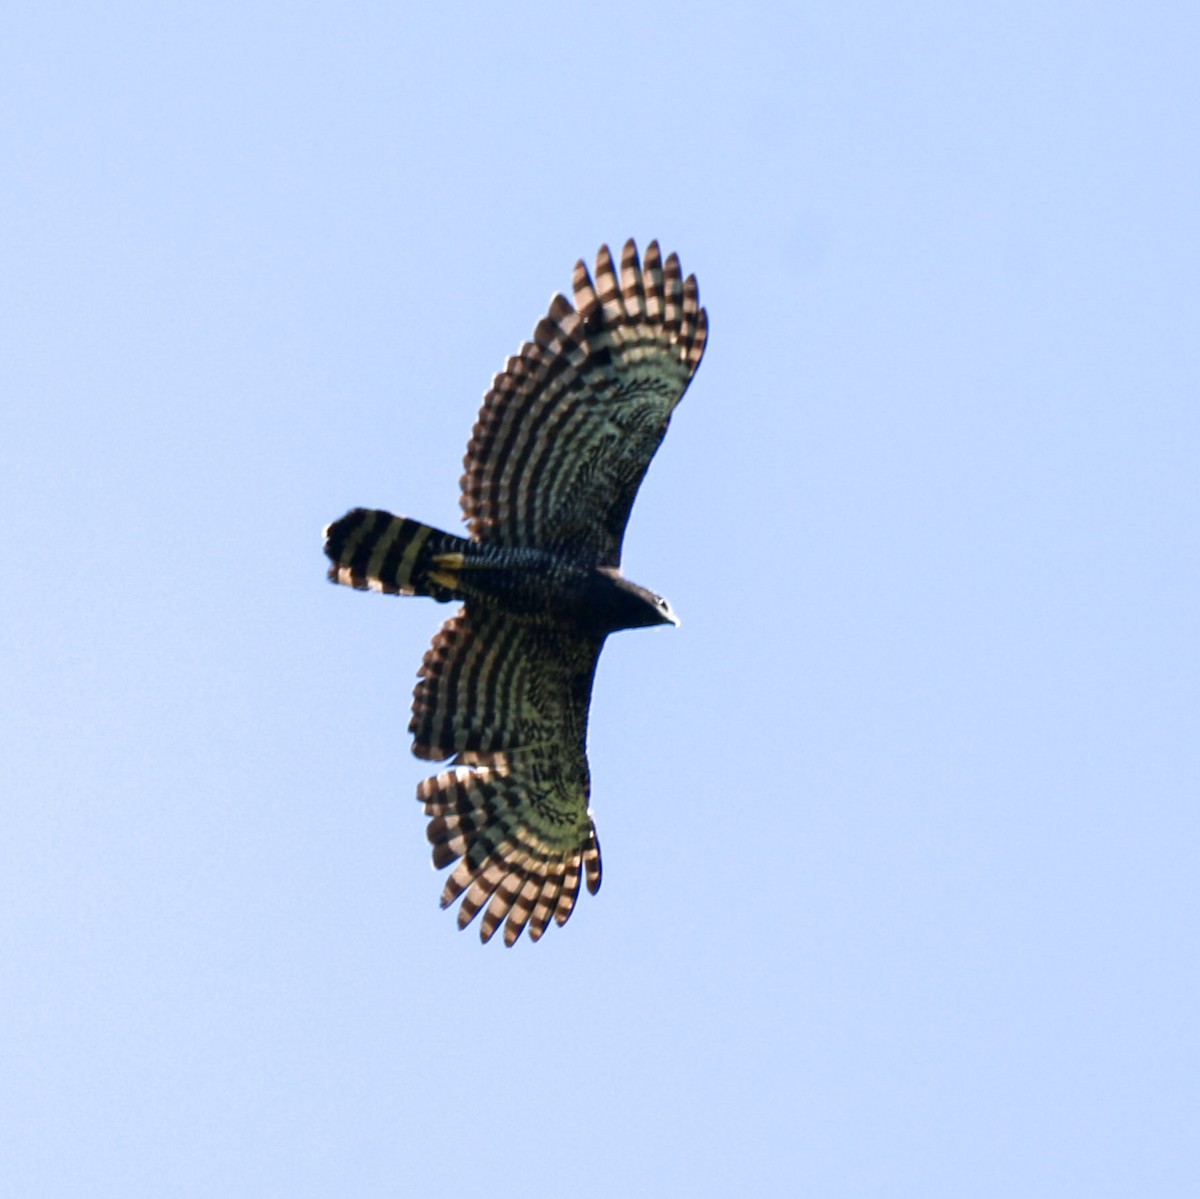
<point x="900" y="826"/>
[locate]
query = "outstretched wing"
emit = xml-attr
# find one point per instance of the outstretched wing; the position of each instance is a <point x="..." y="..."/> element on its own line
<point x="570" y="425"/>
<point x="509" y="702"/>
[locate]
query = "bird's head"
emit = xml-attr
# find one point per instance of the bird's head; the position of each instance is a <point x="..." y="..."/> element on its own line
<point x="634" y="607"/>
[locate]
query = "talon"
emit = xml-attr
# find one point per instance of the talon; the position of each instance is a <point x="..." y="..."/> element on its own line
<point x="444" y="578"/>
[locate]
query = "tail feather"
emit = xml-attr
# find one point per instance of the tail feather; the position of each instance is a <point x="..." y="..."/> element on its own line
<point x="372" y="550"/>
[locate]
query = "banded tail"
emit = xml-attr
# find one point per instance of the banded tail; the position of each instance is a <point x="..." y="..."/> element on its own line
<point x="372" y="550"/>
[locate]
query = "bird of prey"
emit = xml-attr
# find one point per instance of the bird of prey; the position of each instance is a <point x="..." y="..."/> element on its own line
<point x="562" y="442"/>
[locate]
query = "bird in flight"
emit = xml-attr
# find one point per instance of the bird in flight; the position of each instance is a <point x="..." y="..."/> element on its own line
<point x="562" y="442"/>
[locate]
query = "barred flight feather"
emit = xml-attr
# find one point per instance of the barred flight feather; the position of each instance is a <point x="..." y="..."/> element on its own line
<point x="569" y="427"/>
<point x="490" y="683"/>
<point x="522" y="839"/>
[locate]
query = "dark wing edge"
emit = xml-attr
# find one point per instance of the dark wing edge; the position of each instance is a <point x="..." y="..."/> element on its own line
<point x="569" y="427"/>
<point x="508" y="703"/>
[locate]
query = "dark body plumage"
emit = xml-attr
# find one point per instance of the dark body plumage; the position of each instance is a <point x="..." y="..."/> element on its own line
<point x="560" y="448"/>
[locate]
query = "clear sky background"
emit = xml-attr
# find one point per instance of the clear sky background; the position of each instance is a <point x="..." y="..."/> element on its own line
<point x="900" y="827"/>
